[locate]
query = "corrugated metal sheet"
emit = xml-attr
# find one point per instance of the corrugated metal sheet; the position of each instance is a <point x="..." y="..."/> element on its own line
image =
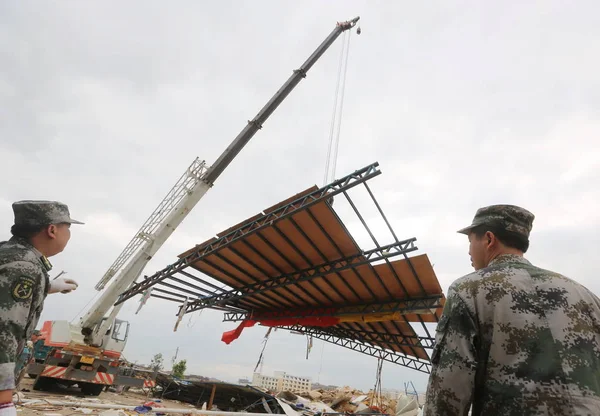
<point x="311" y="237"/>
<point x="297" y="259"/>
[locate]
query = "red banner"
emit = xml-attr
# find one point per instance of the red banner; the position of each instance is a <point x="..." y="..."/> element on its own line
<point x="322" y="321"/>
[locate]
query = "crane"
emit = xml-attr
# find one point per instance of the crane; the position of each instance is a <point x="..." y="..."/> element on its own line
<point x="96" y="342"/>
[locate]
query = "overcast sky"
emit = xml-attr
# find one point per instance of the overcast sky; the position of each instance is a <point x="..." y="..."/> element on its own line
<point x="103" y="105"/>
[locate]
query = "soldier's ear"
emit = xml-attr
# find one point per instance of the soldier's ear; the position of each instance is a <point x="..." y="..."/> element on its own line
<point x="51" y="231"/>
<point x="490" y="237"/>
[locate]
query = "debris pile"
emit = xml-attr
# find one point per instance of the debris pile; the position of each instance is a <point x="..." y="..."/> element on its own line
<point x="187" y="397"/>
<point x="86" y="406"/>
<point x="341" y="400"/>
<point x="408" y="406"/>
<point x="67" y="400"/>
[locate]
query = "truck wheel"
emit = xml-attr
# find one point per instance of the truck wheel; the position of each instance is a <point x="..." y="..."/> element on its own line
<point x="43" y="383"/>
<point x="91" y="389"/>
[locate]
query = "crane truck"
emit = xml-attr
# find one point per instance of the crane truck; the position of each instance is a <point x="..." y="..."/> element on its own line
<point x="89" y="353"/>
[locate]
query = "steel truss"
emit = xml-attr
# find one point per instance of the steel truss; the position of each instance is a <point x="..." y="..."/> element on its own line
<point x="361" y="346"/>
<point x="336" y="266"/>
<point x="252" y="298"/>
<point x="302" y="203"/>
<point x="376" y="337"/>
<point x="421" y="305"/>
<point x="369" y="337"/>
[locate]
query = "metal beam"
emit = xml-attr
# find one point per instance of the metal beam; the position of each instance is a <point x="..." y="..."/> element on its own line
<point x="373" y="351"/>
<point x="324" y="269"/>
<point x="421" y="305"/>
<point x="298" y="205"/>
<point x="370" y="336"/>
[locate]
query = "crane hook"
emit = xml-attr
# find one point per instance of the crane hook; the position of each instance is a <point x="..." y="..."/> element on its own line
<point x="358" y="30"/>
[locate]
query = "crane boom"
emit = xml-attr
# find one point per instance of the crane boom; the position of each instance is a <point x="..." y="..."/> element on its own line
<point x="175" y="207"/>
<point x="171" y="212"/>
<point x="256" y="124"/>
<point x="180" y="190"/>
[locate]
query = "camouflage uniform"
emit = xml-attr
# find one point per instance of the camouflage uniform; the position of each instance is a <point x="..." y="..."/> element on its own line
<point x="24" y="283"/>
<point x="515" y="339"/>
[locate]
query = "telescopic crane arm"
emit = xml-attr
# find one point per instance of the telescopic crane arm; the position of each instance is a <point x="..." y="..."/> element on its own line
<point x="256" y="123"/>
<point x="180" y="201"/>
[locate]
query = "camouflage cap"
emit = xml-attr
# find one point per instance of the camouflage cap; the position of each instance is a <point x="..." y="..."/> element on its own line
<point x="39" y="213"/>
<point x="509" y="217"/>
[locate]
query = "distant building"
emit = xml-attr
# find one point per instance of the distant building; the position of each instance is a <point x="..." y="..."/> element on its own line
<point x="244" y="381"/>
<point x="282" y="381"/>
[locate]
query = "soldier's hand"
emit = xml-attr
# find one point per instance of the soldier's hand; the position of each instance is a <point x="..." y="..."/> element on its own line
<point x="62" y="285"/>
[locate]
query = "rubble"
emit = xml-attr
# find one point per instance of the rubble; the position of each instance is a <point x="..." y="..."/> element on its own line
<point x="315" y="395"/>
<point x="340" y="400"/>
<point x="66" y="401"/>
<point x="287" y="395"/>
<point x="407" y="406"/>
<point x="182" y="396"/>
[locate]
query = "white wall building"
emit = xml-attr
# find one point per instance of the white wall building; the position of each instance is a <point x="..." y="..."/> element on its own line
<point x="266" y="382"/>
<point x="282" y="381"/>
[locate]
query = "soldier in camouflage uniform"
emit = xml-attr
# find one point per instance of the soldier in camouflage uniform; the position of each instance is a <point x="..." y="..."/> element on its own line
<point x="514" y="339"/>
<point x="41" y="230"/>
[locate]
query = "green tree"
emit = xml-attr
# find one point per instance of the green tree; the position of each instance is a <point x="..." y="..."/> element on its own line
<point x="157" y="362"/>
<point x="179" y="369"/>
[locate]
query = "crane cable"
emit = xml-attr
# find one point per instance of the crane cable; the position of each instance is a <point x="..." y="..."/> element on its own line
<point x="78" y="314"/>
<point x="334" y="140"/>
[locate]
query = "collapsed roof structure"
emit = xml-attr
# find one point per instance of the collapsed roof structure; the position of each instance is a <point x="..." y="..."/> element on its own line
<point x="297" y="267"/>
<point x="225" y="396"/>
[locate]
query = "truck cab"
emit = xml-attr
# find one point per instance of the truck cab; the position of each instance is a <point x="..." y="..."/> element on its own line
<point x="59" y="334"/>
<point x="116" y="337"/>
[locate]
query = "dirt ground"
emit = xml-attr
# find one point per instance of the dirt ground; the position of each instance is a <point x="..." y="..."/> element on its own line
<point x="128" y="398"/>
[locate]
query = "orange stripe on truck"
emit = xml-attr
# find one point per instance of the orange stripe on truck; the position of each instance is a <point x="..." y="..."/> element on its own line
<point x="54" y="371"/>
<point x="104" y="378"/>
